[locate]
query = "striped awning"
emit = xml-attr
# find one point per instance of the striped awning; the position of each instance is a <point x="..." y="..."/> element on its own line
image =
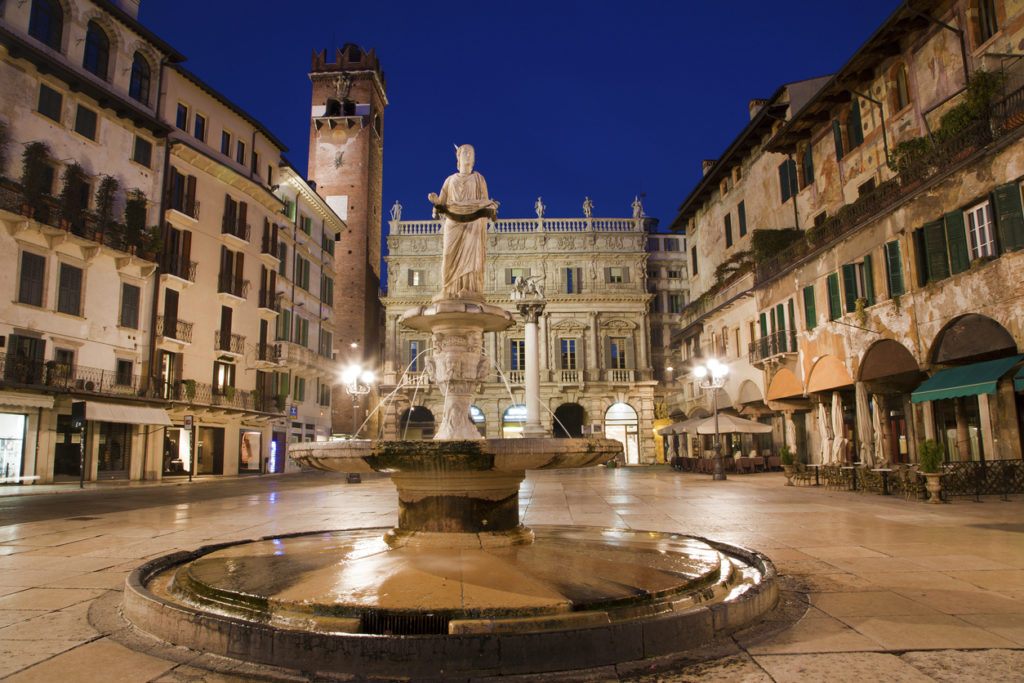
<point x="965" y="380"/>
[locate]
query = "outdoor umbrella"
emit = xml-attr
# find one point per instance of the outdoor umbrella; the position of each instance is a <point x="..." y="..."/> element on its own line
<point x="730" y="424"/>
<point x="826" y="438"/>
<point x="838" y="431"/>
<point x="876" y="424"/>
<point x="864" y="425"/>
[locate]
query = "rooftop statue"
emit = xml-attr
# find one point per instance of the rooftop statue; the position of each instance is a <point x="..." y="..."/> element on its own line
<point x="464" y="208"/>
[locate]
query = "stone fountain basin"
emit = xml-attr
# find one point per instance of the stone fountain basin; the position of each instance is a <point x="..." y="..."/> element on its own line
<point x="483" y="455"/>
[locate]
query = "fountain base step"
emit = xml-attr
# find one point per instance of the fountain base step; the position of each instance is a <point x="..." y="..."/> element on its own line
<point x="348" y="602"/>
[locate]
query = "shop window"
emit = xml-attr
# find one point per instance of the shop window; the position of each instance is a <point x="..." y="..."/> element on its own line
<point x="114" y="442"/>
<point x="138" y="87"/>
<point x="97" y="50"/>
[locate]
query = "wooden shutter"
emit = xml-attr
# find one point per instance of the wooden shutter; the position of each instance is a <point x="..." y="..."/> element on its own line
<point x="170" y="312"/>
<point x="956" y="239"/>
<point x="771" y="319"/>
<point x="229" y="213"/>
<point x="625" y="273"/>
<point x="741" y="213"/>
<point x="764" y="325"/>
<point x="869" y="281"/>
<point x="1009" y="216"/>
<point x="578" y="281"/>
<point x="630" y="357"/>
<point x="508" y="276"/>
<point x="243" y="210"/>
<point x="783" y="181"/>
<point x="835" y="307"/>
<point x="607" y="274"/>
<point x="850" y="286"/>
<point x="810" y="315"/>
<point x="190" y="195"/>
<point x="837" y="134"/>
<point x="239" y="271"/>
<point x="894" y="268"/>
<point x="791" y="328"/>
<point x="186" y="249"/>
<point x="935" y="250"/>
<point x="409" y="277"/>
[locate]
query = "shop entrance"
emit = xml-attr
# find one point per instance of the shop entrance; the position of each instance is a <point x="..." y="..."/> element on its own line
<point x="620" y="423"/>
<point x="12" y="447"/>
<point x="115" y="445"/>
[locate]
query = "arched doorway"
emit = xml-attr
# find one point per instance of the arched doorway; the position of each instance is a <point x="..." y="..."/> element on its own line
<point x="890" y="373"/>
<point x="416" y="423"/>
<point x="621" y="424"/>
<point x="568" y="422"/>
<point x="512" y="421"/>
<point x="477" y="417"/>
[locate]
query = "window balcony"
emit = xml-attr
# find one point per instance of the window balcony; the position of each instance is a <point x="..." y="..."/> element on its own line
<point x="570" y="377"/>
<point x="233" y="344"/>
<point x="62" y="377"/>
<point x="235" y="286"/>
<point x="772" y="347"/>
<point x="180" y="268"/>
<point x="619" y="376"/>
<point x="270" y="301"/>
<point x="186" y="207"/>
<point x="235" y="228"/>
<point x="268" y="353"/>
<point x="173" y="328"/>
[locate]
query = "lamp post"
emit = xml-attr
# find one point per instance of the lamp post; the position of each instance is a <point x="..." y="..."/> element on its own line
<point x="357" y="383"/>
<point x="711" y="378"/>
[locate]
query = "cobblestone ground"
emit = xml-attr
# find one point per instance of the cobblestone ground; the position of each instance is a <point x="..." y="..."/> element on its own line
<point x="874" y="588"/>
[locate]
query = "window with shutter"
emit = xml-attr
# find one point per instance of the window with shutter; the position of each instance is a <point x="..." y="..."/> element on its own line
<point x="979" y="228"/>
<point x="129" y="306"/>
<point x="835" y="308"/>
<point x="867" y="281"/>
<point x="741" y="215"/>
<point x="956" y="238"/>
<point x="850" y="288"/>
<point x="837" y="135"/>
<point x="936" y="256"/>
<point x="808" y="165"/>
<point x="791" y="329"/>
<point x="854" y="127"/>
<point x="764" y="325"/>
<point x="894" y="269"/>
<point x="728" y="230"/>
<point x="30" y="286"/>
<point x="810" y="315"/>
<point x="1009" y="216"/>
<point x="69" y="290"/>
<point x="517" y="354"/>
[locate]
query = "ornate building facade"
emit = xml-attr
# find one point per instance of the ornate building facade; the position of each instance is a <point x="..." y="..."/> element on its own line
<point x="595" y="351"/>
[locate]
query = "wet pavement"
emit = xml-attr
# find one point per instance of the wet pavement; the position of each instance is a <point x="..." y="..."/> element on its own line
<point x="875" y="587"/>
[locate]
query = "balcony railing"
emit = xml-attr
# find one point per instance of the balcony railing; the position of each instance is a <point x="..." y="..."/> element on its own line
<point x="525" y="225"/>
<point x="570" y="377"/>
<point x="270" y="353"/>
<point x="772" y="345"/>
<point x="235" y="286"/>
<point x="202" y="393"/>
<point x="61" y="377"/>
<point x="618" y="376"/>
<point x="235" y="227"/>
<point x="174" y="329"/>
<point x="181" y="268"/>
<point x="189" y="207"/>
<point x="270" y="300"/>
<point x="268" y="245"/>
<point x="230" y="343"/>
<point x="515" y="376"/>
<point x="738" y="283"/>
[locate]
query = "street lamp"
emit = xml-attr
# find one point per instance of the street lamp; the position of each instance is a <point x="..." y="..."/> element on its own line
<point x="711" y="378"/>
<point x="357" y="383"/>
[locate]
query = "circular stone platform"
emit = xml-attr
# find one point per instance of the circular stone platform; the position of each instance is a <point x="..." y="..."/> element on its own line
<point x="348" y="602"/>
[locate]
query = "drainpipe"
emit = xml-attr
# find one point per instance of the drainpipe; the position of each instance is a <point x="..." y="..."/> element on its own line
<point x="160" y="226"/>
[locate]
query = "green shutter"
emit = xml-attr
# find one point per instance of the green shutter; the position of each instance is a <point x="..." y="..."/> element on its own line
<point x="780" y="316"/>
<point x="771" y="318"/>
<point x="935" y="251"/>
<point x="869" y="281"/>
<point x="854" y="128"/>
<point x="808" y="164"/>
<point x="764" y="325"/>
<point x="791" y="329"/>
<point x="1009" y="217"/>
<point x="741" y="211"/>
<point x="850" y="287"/>
<point x="810" y="314"/>
<point x="956" y="238"/>
<point x="837" y="134"/>
<point x="835" y="308"/>
<point x="894" y="268"/>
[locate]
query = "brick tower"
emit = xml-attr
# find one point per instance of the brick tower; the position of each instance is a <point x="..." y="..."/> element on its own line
<point x="345" y="161"/>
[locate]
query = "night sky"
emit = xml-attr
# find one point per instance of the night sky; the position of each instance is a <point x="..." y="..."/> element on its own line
<point x="561" y="99"/>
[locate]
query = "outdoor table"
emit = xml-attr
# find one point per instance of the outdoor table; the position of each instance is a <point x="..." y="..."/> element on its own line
<point x="885" y="479"/>
<point x="853" y="476"/>
<point x="816" y="467"/>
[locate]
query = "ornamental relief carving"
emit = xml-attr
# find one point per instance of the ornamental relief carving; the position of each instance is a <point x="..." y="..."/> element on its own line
<point x="618" y="325"/>
<point x="567" y="243"/>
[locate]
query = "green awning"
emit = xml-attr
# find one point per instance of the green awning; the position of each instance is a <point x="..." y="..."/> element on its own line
<point x="966" y="380"/>
<point x="1018" y="380"/>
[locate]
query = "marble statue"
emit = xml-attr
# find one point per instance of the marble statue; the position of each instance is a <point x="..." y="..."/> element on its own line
<point x="396" y="211"/>
<point x="588" y="208"/>
<point x="527" y="288"/>
<point x="464" y="207"/>
<point x="539" y="208"/>
<point x="638" y="207"/>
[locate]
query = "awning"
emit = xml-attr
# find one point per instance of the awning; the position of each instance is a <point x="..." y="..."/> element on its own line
<point x="136" y="415"/>
<point x="1018" y="380"/>
<point x="19" y="400"/>
<point x="965" y="380"/>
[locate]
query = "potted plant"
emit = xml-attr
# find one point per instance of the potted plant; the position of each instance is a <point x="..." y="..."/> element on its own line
<point x="930" y="455"/>
<point x="135" y="209"/>
<point x="229" y="394"/>
<point x="34" y="177"/>
<point x="71" y="196"/>
<point x="788" y="463"/>
<point x="105" y="195"/>
<point x="190" y="388"/>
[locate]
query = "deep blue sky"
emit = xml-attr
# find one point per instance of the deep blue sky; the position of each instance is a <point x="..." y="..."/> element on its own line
<point x="561" y="99"/>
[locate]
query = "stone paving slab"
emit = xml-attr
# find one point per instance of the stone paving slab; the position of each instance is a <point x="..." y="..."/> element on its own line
<point x="872" y="588"/>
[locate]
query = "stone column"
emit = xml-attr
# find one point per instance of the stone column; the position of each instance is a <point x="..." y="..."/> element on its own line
<point x="789" y="427"/>
<point x="963" y="432"/>
<point x="545" y="345"/>
<point x="864" y="430"/>
<point x="531" y="312"/>
<point x="594" y="352"/>
<point x="987" y="427"/>
<point x="928" y="417"/>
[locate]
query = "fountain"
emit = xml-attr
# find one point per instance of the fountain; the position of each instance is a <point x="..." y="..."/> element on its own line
<point x="459" y="587"/>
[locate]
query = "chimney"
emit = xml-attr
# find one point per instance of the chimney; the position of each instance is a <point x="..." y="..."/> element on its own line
<point x="129" y="7"/>
<point x="756" y="106"/>
<point x="706" y="165"/>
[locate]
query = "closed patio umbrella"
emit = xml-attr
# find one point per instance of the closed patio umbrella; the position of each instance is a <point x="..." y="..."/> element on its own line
<point x="826" y="435"/>
<point x="876" y="425"/>
<point x="838" y="430"/>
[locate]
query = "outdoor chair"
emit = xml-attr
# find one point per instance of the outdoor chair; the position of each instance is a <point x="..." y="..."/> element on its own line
<point x="803" y="474"/>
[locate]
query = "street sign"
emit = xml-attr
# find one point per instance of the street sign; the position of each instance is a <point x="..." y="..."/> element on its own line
<point x="293" y="411"/>
<point x="188" y="422"/>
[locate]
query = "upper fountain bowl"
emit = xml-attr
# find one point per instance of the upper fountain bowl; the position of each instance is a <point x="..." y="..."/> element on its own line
<point x="495" y="455"/>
